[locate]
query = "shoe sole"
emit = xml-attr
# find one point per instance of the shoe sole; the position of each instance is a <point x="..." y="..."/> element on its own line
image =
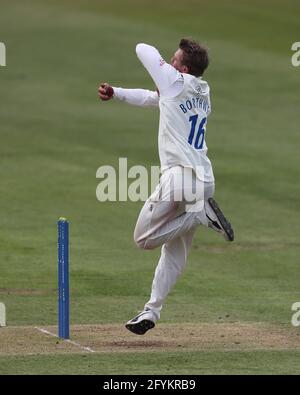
<point x="141" y="327"/>
<point x="226" y="225"/>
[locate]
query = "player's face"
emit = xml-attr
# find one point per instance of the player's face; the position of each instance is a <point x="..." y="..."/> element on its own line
<point x="176" y="61"/>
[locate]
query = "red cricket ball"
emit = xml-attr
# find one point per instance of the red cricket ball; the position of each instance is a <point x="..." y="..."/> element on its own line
<point x="109" y="91"/>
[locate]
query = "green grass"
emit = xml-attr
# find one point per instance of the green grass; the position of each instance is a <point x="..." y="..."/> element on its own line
<point x="208" y="363"/>
<point x="55" y="134"/>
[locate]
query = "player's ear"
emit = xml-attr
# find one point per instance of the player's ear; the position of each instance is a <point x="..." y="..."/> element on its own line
<point x="185" y="69"/>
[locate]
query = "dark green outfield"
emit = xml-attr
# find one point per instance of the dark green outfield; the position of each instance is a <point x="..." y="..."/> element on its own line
<point x="54" y="134"/>
<point x="207" y="363"/>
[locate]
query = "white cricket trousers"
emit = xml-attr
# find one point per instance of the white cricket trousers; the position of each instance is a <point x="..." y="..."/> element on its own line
<point x="169" y="218"/>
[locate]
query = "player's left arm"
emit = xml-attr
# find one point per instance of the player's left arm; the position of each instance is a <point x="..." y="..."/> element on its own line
<point x="136" y="97"/>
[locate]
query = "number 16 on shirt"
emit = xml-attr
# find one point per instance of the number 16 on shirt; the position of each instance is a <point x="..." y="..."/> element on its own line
<point x="198" y="141"/>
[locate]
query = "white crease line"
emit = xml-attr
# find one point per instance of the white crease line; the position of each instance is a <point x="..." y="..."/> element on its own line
<point x="66" y="340"/>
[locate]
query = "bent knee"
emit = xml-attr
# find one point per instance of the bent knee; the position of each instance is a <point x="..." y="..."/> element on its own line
<point x="143" y="243"/>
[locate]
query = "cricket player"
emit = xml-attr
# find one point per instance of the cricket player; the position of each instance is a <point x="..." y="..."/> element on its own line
<point x="183" y="200"/>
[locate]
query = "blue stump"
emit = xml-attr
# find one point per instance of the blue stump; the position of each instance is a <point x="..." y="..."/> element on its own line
<point x="63" y="279"/>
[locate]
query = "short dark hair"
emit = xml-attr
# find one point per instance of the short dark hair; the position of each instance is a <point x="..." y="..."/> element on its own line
<point x="195" y="56"/>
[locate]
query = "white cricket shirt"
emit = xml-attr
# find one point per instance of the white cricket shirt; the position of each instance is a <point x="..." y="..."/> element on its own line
<point x="182" y="127"/>
<point x="184" y="103"/>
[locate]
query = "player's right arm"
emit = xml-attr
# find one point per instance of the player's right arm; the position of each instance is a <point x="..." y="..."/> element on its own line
<point x="136" y="97"/>
<point x="168" y="80"/>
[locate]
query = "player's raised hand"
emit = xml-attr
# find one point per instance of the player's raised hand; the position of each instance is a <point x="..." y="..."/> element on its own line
<point x="105" y="91"/>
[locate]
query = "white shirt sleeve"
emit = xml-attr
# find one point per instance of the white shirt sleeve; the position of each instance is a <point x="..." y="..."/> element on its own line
<point x="137" y="97"/>
<point x="168" y="80"/>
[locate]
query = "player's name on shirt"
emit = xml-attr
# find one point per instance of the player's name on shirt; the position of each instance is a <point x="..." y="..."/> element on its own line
<point x="195" y="102"/>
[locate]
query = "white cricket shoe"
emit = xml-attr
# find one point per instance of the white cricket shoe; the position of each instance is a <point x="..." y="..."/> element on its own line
<point x="142" y="322"/>
<point x="217" y="220"/>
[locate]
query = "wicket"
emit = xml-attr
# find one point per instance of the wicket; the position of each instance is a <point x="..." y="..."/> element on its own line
<point x="63" y="279"/>
<point x="2" y="315"/>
